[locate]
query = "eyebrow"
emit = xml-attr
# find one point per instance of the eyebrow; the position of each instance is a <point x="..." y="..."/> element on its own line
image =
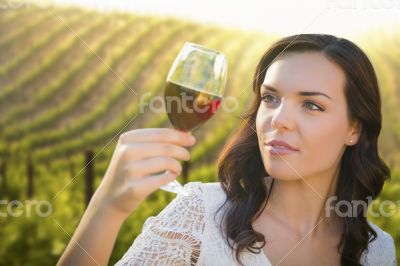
<point x="301" y="93"/>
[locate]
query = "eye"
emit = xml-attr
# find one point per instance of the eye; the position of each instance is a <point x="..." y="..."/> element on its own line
<point x="311" y="104"/>
<point x="267" y="98"/>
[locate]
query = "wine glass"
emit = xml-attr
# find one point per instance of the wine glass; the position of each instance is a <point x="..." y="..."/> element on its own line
<point x="193" y="90"/>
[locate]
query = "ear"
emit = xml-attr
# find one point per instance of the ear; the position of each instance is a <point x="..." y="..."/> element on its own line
<point x="354" y="134"/>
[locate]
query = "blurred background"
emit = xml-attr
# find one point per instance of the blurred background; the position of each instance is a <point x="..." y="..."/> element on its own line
<point x="71" y="78"/>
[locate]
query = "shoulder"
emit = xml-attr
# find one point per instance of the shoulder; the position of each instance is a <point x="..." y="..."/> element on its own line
<point x="201" y="197"/>
<point x="382" y="250"/>
<point x="191" y="203"/>
<point x="201" y="190"/>
<point x="184" y="215"/>
<point x="175" y="235"/>
<point x="209" y="194"/>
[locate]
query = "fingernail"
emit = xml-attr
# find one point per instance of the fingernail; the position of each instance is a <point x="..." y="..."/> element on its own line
<point x="192" y="139"/>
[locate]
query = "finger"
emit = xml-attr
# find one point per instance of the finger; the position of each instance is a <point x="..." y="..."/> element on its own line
<point x="153" y="165"/>
<point x="158" y="135"/>
<point x="150" y="183"/>
<point x="159" y="180"/>
<point x="139" y="151"/>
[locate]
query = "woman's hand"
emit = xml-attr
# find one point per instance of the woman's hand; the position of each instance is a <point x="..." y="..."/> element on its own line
<point x="131" y="176"/>
<point x="132" y="173"/>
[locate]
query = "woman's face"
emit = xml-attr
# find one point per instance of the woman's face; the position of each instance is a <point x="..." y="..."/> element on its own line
<point x="316" y="125"/>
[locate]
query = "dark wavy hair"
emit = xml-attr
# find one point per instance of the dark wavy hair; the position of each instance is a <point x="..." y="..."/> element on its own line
<point x="362" y="172"/>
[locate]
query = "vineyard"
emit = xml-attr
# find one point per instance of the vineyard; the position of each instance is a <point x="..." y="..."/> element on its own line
<point x="72" y="80"/>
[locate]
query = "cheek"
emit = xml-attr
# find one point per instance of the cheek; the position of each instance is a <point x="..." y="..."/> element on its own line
<point x="261" y="127"/>
<point x="258" y="124"/>
<point x="327" y="132"/>
<point x="261" y="121"/>
<point x="323" y="141"/>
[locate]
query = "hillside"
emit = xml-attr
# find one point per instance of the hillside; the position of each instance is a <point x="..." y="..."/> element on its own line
<point x="71" y="81"/>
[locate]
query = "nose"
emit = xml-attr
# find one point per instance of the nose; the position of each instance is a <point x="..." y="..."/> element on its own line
<point x="282" y="118"/>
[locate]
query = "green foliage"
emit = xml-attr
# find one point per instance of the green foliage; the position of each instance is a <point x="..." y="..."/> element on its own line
<point x="58" y="99"/>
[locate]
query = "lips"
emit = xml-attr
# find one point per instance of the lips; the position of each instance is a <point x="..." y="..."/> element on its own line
<point x="280" y="145"/>
<point x="279" y="148"/>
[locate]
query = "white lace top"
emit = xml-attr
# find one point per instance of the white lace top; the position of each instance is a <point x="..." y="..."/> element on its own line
<point x="186" y="233"/>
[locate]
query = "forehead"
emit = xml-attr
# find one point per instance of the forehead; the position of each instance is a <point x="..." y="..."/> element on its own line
<point x="305" y="71"/>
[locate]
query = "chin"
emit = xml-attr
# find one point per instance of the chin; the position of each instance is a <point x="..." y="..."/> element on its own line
<point x="282" y="172"/>
<point x="285" y="177"/>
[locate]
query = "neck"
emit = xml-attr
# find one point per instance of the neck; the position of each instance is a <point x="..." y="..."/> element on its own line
<point x="299" y="205"/>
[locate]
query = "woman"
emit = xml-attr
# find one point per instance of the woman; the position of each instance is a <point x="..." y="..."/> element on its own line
<point x="309" y="142"/>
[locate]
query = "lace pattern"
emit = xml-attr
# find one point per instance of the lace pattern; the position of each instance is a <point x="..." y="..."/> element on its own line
<point x="186" y="233"/>
<point x="174" y="236"/>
